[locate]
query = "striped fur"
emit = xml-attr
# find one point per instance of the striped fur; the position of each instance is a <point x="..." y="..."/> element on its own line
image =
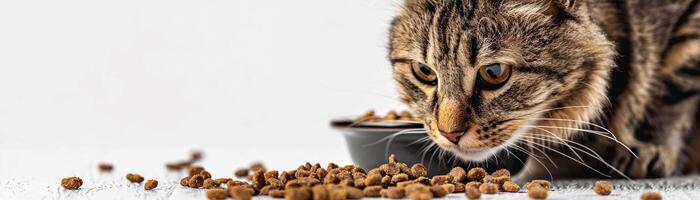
<point x="628" y="65"/>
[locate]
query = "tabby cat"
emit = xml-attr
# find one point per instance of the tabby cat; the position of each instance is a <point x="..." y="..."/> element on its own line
<point x="599" y="87"/>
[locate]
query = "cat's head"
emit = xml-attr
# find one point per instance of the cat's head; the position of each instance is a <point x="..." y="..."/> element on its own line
<point x="483" y="74"/>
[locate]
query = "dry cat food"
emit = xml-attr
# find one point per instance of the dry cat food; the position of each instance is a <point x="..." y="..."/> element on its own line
<point x="538" y="183"/>
<point x="476" y="174"/>
<point x="71" y="183"/>
<point x="488" y="188"/>
<point x="105" y="167"/>
<point x="472" y="193"/>
<point x="217" y="194"/>
<point x="390" y="116"/>
<point x="150" y="184"/>
<point x="394" y="180"/>
<point x="510" y="186"/>
<point x="651" y="196"/>
<point x="602" y="188"/>
<point x="537" y="192"/>
<point x="179" y="165"/>
<point x="134" y="178"/>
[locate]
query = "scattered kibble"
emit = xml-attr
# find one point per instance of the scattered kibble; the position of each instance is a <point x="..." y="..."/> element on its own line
<point x="217" y="194"/>
<point x="241" y="172"/>
<point x="473" y="193"/>
<point x="71" y="183"/>
<point x="150" y="184"/>
<point x="134" y="178"/>
<point x="510" y="186"/>
<point x="392" y="193"/>
<point x="602" y="188"/>
<point x="500" y="173"/>
<point x="488" y="188"/>
<point x="651" y="196"/>
<point x="105" y="167"/>
<point x="538" y="183"/>
<point x="439" y="191"/>
<point x="537" y="192"/>
<point x="476" y="174"/>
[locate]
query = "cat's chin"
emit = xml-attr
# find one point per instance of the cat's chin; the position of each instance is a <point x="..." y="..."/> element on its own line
<point x="474" y="155"/>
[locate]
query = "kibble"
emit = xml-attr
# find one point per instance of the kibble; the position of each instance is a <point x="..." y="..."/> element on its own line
<point x="134" y="178"/>
<point x="651" y="196"/>
<point x="441" y="179"/>
<point x="459" y="187"/>
<point x="439" y="191"/>
<point x="105" y="167"/>
<point x="220" y="181"/>
<point x="185" y="181"/>
<point x="510" y="186"/>
<point x="210" y="184"/>
<point x="473" y="193"/>
<point x="354" y="193"/>
<point x="449" y="187"/>
<point x="240" y="173"/>
<point x="319" y="192"/>
<point x="150" y="184"/>
<point x="194" y="170"/>
<point x="541" y="183"/>
<point x="473" y="184"/>
<point x="257" y="166"/>
<point x="276" y="193"/>
<point x="420" y="196"/>
<point x="476" y="174"/>
<point x="372" y="191"/>
<point x="501" y="172"/>
<point x="602" y="188"/>
<point x="399" y="178"/>
<point x="71" y="183"/>
<point x="418" y="170"/>
<point x="458" y="174"/>
<point x="196" y="181"/>
<point x="393" y="193"/>
<point x="488" y="188"/>
<point x="297" y="194"/>
<point x="176" y="165"/>
<point x="240" y="193"/>
<point x="537" y="192"/>
<point x="217" y="194"/>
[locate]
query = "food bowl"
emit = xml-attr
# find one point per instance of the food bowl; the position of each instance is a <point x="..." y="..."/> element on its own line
<point x="370" y="143"/>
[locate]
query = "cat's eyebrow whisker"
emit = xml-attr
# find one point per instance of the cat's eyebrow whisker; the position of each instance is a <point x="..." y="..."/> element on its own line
<point x="599" y="133"/>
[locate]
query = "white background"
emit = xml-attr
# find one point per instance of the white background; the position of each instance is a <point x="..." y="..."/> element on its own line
<point x="189" y="73"/>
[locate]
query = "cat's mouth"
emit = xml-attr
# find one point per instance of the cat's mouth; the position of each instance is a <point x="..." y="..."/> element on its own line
<point x="472" y="147"/>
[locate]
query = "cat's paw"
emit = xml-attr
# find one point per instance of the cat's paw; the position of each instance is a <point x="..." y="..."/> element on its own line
<point x="652" y="161"/>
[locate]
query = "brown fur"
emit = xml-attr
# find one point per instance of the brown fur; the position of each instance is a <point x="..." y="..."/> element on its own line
<point x="579" y="68"/>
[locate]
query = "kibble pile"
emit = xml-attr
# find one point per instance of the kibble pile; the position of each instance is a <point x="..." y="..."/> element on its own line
<point x="394" y="180"/>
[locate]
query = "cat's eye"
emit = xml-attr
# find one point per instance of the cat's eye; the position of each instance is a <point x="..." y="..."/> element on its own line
<point x="424" y="73"/>
<point x="495" y="74"/>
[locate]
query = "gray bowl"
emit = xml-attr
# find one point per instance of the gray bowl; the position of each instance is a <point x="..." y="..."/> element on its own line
<point x="370" y="143"/>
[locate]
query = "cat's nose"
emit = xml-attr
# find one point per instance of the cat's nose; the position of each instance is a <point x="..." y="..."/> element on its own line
<point x="452" y="119"/>
<point x="452" y="136"/>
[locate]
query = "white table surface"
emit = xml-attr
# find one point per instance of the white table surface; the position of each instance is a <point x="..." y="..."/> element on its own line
<point x="35" y="173"/>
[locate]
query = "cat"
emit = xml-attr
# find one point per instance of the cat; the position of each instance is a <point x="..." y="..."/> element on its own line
<point x="599" y="87"/>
